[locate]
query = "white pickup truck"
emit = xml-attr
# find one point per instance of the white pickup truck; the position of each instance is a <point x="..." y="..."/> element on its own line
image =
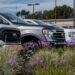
<point x="70" y="36"/>
<point x="69" y="33"/>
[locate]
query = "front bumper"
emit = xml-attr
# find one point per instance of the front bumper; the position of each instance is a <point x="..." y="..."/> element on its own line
<point x="55" y="43"/>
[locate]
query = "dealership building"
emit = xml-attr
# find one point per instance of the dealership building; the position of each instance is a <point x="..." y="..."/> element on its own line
<point x="62" y="22"/>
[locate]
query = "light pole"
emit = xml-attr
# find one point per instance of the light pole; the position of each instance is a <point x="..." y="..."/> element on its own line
<point x="74" y="13"/>
<point x="33" y="5"/>
<point x="55" y="10"/>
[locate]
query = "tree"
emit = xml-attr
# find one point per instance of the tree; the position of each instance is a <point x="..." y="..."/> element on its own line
<point x="62" y="12"/>
<point x="23" y="13"/>
<point x="18" y="13"/>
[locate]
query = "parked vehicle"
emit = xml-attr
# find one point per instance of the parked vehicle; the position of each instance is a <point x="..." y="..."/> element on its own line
<point x="70" y="36"/>
<point x="8" y="34"/>
<point x="34" y="21"/>
<point x="69" y="32"/>
<point x="35" y="33"/>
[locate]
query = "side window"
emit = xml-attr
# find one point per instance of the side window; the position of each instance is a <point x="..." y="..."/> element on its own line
<point x="29" y="22"/>
<point x="2" y="21"/>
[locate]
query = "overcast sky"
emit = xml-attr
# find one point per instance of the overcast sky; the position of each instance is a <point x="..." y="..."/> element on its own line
<point x="10" y="5"/>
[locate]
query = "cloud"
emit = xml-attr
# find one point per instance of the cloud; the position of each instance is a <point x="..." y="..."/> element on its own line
<point x="41" y="7"/>
<point x="11" y="5"/>
<point x="17" y="5"/>
<point x="20" y="6"/>
<point x="22" y="1"/>
<point x="67" y="2"/>
<point x="6" y="1"/>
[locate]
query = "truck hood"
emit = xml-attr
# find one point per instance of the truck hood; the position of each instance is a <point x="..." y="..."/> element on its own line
<point x="41" y="26"/>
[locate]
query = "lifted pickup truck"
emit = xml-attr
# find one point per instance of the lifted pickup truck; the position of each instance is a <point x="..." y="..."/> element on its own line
<point x="35" y="33"/>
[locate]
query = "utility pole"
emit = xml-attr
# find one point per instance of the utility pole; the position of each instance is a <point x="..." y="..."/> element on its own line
<point x="74" y="14"/>
<point x="33" y="5"/>
<point x="55" y="10"/>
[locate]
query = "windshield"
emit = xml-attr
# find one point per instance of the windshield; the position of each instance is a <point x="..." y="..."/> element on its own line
<point x="39" y="22"/>
<point x="52" y="26"/>
<point x="14" y="19"/>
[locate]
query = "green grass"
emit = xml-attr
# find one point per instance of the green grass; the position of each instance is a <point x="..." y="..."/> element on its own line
<point x="46" y="61"/>
<point x="9" y="61"/>
<point x="49" y="62"/>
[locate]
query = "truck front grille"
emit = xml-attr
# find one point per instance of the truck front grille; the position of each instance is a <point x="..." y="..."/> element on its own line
<point x="59" y="36"/>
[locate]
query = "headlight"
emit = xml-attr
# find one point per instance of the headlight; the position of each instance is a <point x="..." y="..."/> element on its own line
<point x="70" y="34"/>
<point x="48" y="34"/>
<point x="45" y="31"/>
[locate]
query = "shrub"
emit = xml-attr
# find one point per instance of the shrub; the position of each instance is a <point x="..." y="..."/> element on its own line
<point x="48" y="62"/>
<point x="9" y="62"/>
<point x="45" y="61"/>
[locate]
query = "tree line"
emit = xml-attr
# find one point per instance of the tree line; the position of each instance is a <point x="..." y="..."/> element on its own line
<point x="62" y="12"/>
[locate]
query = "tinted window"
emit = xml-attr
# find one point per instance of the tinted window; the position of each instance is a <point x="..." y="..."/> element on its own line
<point x="29" y="22"/>
<point x="14" y="19"/>
<point x="2" y="21"/>
<point x="40" y="22"/>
